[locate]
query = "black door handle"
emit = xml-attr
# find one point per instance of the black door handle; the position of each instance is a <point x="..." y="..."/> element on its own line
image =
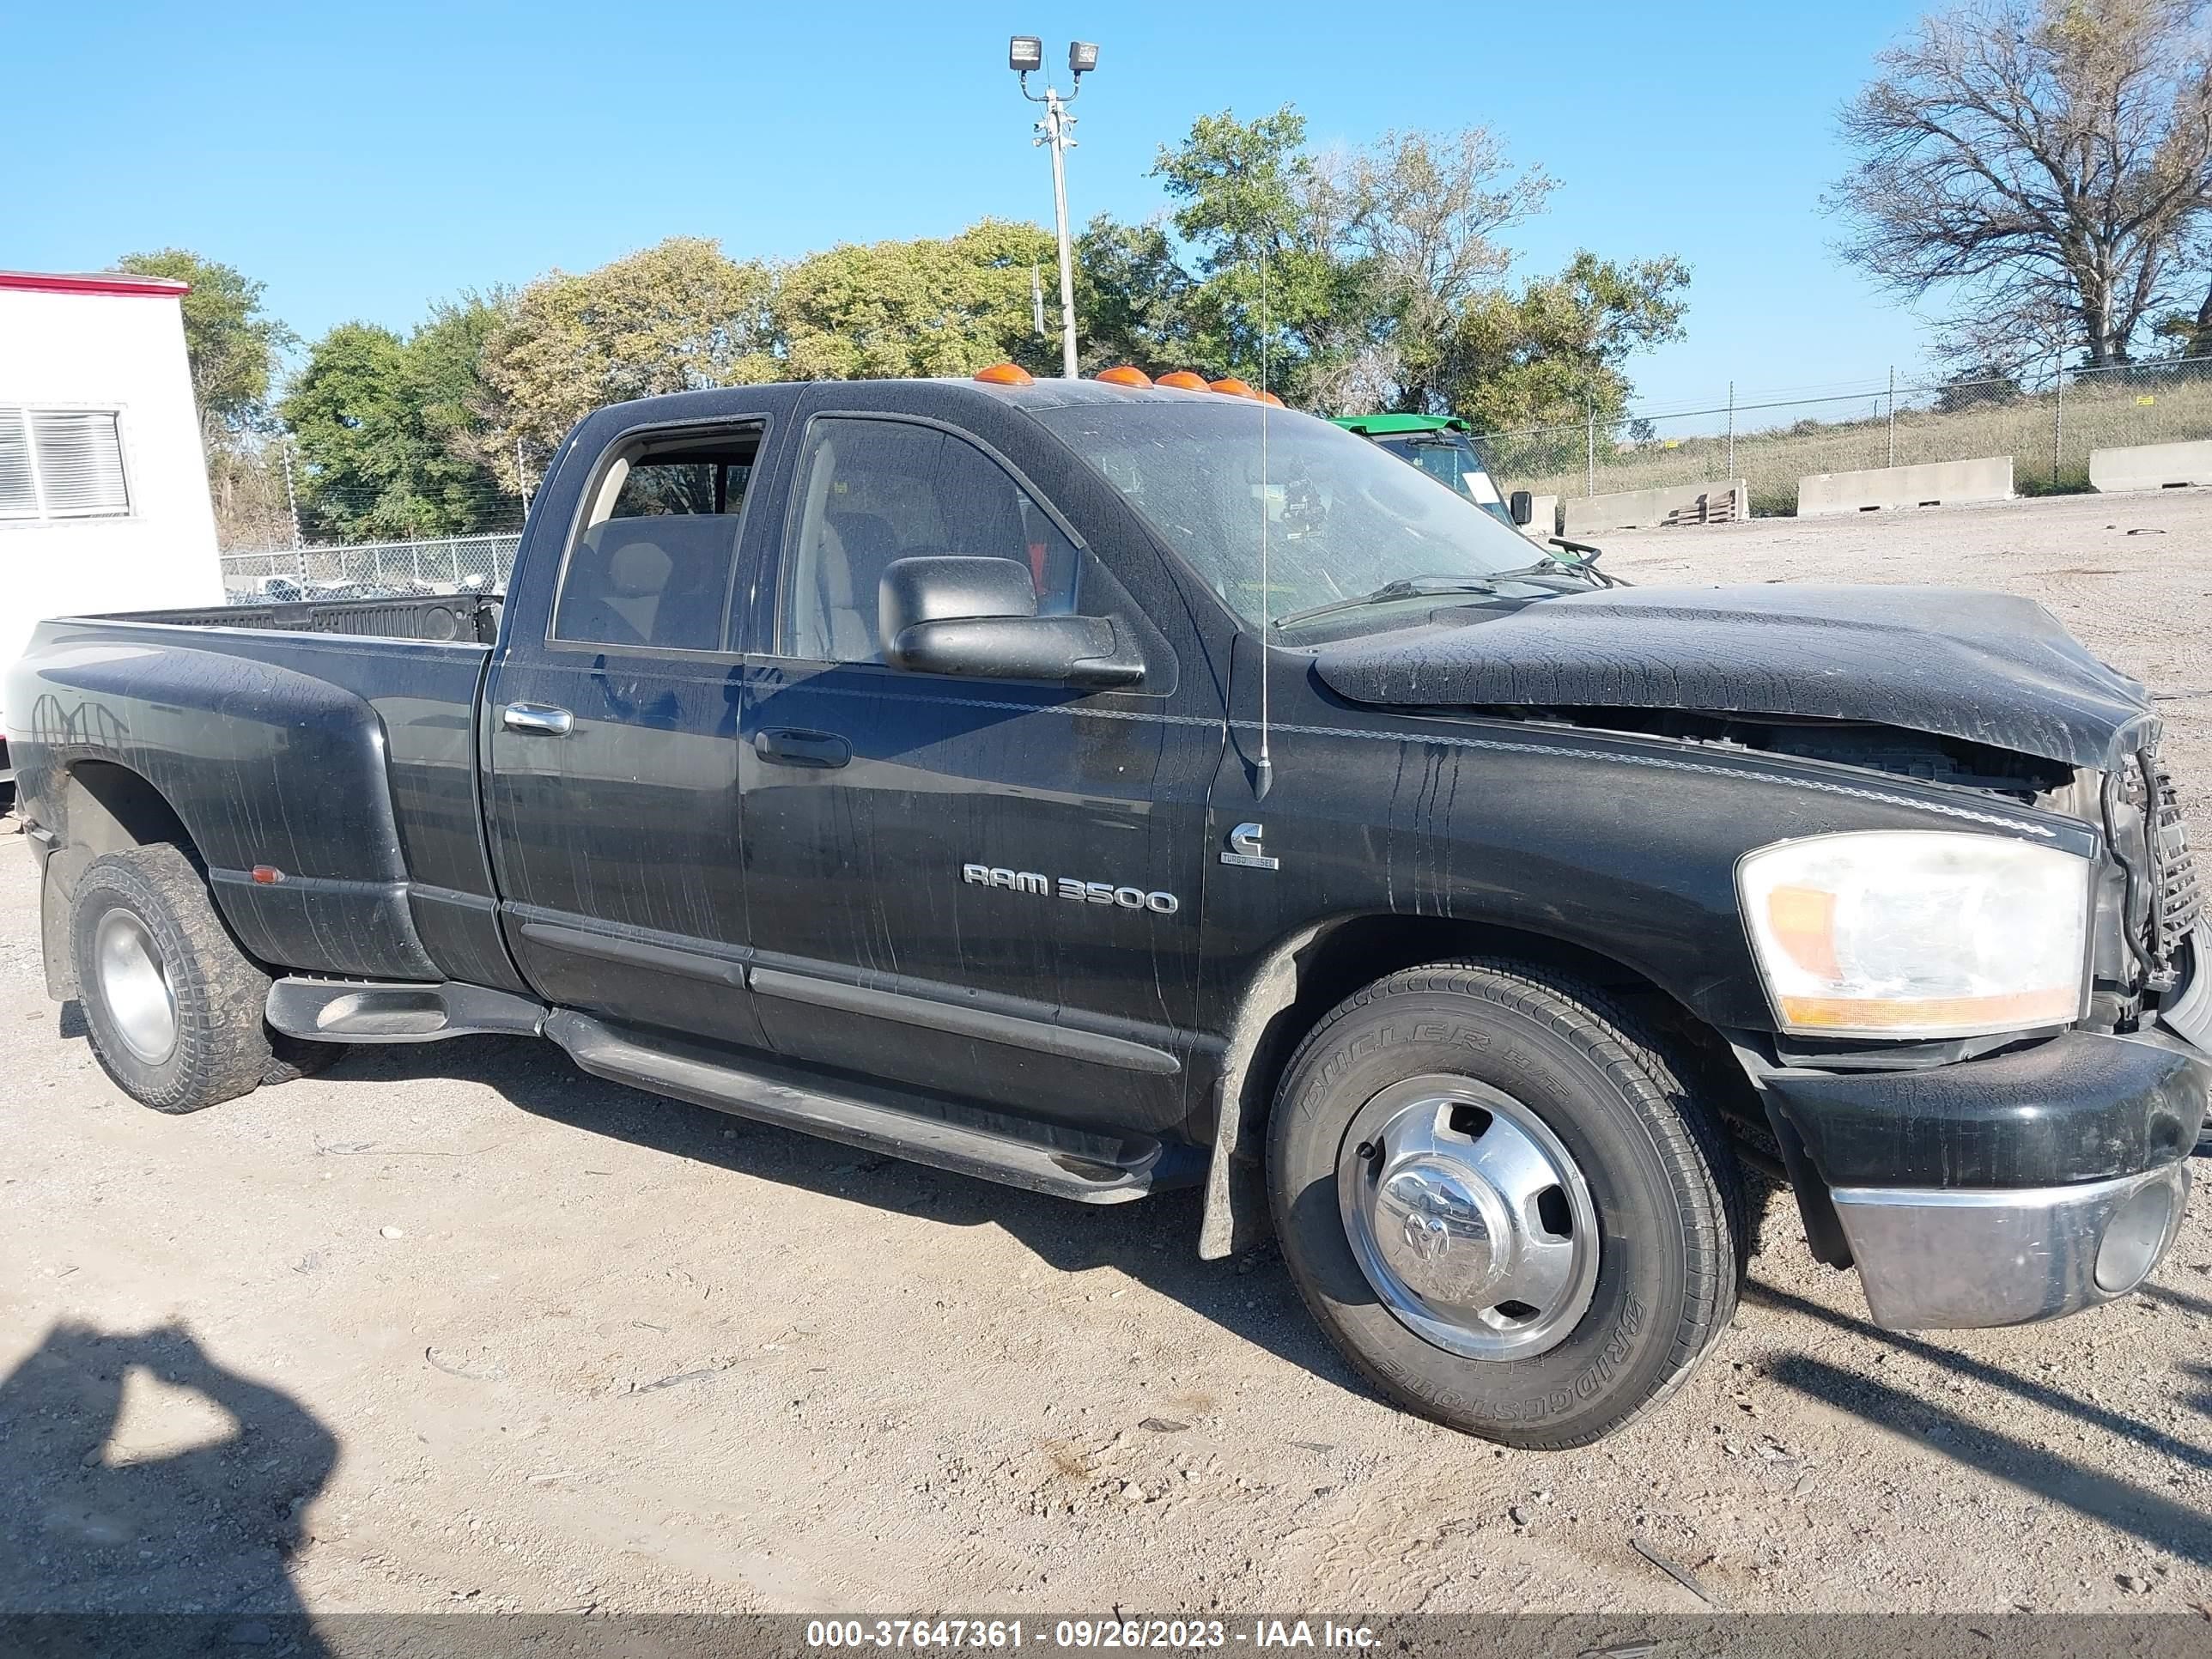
<point x="790" y="746"/>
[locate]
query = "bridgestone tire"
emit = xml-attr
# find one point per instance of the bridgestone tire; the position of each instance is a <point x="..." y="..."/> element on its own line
<point x="1665" y="1190"/>
<point x="222" y="1047"/>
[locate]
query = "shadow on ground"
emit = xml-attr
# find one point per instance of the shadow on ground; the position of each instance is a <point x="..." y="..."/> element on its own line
<point x="206" y="1522"/>
<point x="2155" y="1518"/>
<point x="1154" y="1240"/>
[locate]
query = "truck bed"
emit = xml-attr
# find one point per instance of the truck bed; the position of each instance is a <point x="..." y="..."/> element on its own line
<point x="439" y="617"/>
<point x="330" y="745"/>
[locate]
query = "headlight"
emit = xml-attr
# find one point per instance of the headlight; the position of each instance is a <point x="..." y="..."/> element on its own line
<point x="1917" y="933"/>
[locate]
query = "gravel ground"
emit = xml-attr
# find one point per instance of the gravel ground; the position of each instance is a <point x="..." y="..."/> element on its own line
<point x="457" y="1327"/>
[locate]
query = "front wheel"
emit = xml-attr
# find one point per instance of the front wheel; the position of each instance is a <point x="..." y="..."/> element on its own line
<point x="173" y="1005"/>
<point x="1501" y="1203"/>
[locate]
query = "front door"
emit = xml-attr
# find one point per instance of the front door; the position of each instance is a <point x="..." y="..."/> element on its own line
<point x="613" y="744"/>
<point x="988" y="889"/>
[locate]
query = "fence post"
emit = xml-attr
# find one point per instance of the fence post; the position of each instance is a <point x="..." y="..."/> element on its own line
<point x="1590" y="447"/>
<point x="291" y="501"/>
<point x="1730" y="471"/>
<point x="2058" y="416"/>
<point x="1892" y="461"/>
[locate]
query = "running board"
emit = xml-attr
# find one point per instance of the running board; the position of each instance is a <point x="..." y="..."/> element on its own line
<point x="362" y="1011"/>
<point x="778" y="1095"/>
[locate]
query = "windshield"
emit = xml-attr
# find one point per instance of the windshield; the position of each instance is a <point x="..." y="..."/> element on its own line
<point x="1343" y="516"/>
<point x="1453" y="461"/>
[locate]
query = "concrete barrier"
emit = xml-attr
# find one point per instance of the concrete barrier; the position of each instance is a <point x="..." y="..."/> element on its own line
<point x="1543" y="518"/>
<point x="1934" y="484"/>
<point x="1643" y="509"/>
<point x="2151" y="466"/>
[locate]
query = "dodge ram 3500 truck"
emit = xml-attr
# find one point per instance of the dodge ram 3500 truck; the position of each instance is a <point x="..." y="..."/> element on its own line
<point x="1102" y="788"/>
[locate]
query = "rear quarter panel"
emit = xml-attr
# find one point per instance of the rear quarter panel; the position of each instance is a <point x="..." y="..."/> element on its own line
<point x="348" y="763"/>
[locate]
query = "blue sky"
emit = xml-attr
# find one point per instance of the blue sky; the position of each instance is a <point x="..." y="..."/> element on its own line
<point x="365" y="158"/>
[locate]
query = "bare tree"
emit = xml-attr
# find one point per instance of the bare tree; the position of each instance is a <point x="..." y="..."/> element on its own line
<point x="2033" y="159"/>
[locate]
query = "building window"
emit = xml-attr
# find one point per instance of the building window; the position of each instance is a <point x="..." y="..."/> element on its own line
<point x="61" y="464"/>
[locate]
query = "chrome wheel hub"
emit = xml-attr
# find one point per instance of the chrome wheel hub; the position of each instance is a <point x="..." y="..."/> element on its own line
<point x="134" y="984"/>
<point x="1471" y="1221"/>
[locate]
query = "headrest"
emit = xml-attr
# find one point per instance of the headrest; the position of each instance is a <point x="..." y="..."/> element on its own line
<point x="864" y="535"/>
<point x="638" y="570"/>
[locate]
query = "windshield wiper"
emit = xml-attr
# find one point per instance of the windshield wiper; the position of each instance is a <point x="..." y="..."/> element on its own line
<point x="1551" y="564"/>
<point x="1406" y="588"/>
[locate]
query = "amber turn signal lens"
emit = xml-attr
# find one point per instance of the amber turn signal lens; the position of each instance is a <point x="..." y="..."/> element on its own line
<point x="1803" y="922"/>
<point x="1127" y="375"/>
<point x="1183" y="381"/>
<point x="1233" y="387"/>
<point x="1005" y="374"/>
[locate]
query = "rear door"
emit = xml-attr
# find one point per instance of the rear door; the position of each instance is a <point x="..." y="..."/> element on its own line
<point x="987" y="888"/>
<point x="612" y="717"/>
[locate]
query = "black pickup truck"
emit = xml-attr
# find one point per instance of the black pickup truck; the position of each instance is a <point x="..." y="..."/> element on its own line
<point x="1104" y="789"/>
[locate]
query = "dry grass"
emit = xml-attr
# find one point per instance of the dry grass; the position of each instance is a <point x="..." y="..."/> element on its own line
<point x="2049" y="440"/>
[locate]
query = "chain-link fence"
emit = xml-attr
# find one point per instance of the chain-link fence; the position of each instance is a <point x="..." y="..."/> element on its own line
<point x="2048" y="428"/>
<point x="450" y="564"/>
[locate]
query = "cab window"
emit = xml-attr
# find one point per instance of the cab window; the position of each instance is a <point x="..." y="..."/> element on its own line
<point x="872" y="492"/>
<point x="651" y="569"/>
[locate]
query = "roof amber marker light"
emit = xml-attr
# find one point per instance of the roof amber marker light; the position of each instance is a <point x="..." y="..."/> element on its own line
<point x="1270" y="398"/>
<point x="1005" y="374"/>
<point x="1183" y="381"/>
<point x="1233" y="387"/>
<point x="1127" y="375"/>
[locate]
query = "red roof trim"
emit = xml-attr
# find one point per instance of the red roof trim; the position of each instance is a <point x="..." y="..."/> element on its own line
<point x="113" y="282"/>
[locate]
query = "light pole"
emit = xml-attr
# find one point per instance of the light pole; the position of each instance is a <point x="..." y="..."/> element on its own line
<point x="1026" y="53"/>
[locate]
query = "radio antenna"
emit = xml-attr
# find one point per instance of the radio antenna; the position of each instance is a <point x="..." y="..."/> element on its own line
<point x="1264" y="768"/>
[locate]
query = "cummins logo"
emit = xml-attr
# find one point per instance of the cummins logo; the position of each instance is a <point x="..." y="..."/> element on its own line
<point x="1067" y="887"/>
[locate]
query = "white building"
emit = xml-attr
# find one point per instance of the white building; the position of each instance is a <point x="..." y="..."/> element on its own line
<point x="103" y="482"/>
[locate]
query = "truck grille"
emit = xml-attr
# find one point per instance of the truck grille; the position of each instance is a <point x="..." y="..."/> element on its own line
<point x="2175" y="900"/>
<point x="2180" y="902"/>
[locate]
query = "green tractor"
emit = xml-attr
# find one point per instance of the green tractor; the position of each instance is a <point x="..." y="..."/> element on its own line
<point x="1440" y="446"/>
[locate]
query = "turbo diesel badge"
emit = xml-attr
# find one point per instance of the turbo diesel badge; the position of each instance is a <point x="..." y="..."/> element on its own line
<point x="1067" y="887"/>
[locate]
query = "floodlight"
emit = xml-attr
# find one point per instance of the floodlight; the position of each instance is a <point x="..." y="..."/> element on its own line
<point x="1024" y="52"/>
<point x="1082" y="56"/>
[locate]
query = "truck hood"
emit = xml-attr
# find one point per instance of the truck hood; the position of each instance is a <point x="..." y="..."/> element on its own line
<point x="1953" y="662"/>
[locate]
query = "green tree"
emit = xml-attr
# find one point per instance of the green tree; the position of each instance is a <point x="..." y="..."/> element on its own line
<point x="232" y="343"/>
<point x="1552" y="349"/>
<point x="233" y="348"/>
<point x="932" y="306"/>
<point x="460" y="410"/>
<point x="390" y="432"/>
<point x="1133" y="299"/>
<point x="676" y="317"/>
<point x="1422" y="213"/>
<point x="1280" y="292"/>
<point x="1373" y="278"/>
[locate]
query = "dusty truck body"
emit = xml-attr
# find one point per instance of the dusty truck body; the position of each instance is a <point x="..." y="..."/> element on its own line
<point x="1069" y="785"/>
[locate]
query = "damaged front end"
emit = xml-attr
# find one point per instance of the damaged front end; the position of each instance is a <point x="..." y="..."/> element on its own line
<point x="1980" y="1159"/>
<point x="2019" y="1174"/>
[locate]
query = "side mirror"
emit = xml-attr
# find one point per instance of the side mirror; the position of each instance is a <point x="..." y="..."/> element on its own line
<point x="1522" y="507"/>
<point x="977" y="617"/>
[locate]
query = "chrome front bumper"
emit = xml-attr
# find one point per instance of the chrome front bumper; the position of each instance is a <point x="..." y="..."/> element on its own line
<point x="1933" y="1259"/>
